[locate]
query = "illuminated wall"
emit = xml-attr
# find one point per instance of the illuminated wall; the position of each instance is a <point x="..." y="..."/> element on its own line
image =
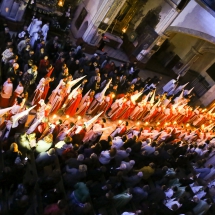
<point x="195" y="20"/>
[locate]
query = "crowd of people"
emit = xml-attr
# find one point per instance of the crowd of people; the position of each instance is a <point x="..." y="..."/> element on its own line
<point x="49" y="85"/>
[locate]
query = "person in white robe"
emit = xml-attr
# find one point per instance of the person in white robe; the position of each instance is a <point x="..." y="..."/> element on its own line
<point x="35" y="26"/>
<point x="45" y="30"/>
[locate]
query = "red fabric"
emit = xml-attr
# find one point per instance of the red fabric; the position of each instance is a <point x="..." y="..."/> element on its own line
<point x="83" y="112"/>
<point x="45" y="92"/>
<point x="118" y="113"/>
<point x="119" y="96"/>
<point x="49" y="73"/>
<point x="37" y="97"/>
<point x="4" y="102"/>
<point x="106" y="105"/>
<point x="128" y="112"/>
<point x="123" y="130"/>
<point x="43" y="63"/>
<point x="53" y="209"/>
<point x="13" y="98"/>
<point x="71" y="110"/>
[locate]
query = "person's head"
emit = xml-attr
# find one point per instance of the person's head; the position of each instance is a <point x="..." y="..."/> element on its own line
<point x="10" y="48"/>
<point x="34" y="68"/>
<point x="174" y="207"/>
<point x="97" y="70"/>
<point x="30" y="62"/>
<point x="66" y="70"/>
<point x="93" y="156"/>
<point x="19" y="100"/>
<point x="140" y="174"/>
<point x="148" y="140"/>
<point x="153" y="144"/>
<point x="61" y="204"/>
<point x="103" y="169"/>
<point x="15" y="66"/>
<point x="152" y="165"/>
<point x="10" y="80"/>
<point x="128" y="150"/>
<point x="146" y="188"/>
<point x="68" y="139"/>
<point x="14" y="147"/>
<point x="132" y="162"/>
<point x="51" y="151"/>
<point x="6" y="30"/>
<point x="81" y="70"/>
<point x="80" y="157"/>
<point x="48" y="138"/>
<point x="31" y="52"/>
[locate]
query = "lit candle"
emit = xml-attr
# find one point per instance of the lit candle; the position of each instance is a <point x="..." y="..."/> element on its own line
<point x="120" y="121"/>
<point x="54" y="116"/>
<point x="67" y="116"/>
<point x="79" y="118"/>
<point x="138" y="123"/>
<point x="146" y="123"/>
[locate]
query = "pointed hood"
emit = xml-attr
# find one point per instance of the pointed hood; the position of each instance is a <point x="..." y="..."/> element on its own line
<point x="147" y="97"/>
<point x="190" y="91"/>
<point x="211" y="110"/>
<point x="18" y="116"/>
<point x="152" y="100"/>
<point x="4" y="111"/>
<point x="102" y="129"/>
<point x="181" y="87"/>
<point x="73" y="92"/>
<point x="106" y="87"/>
<point x="209" y="127"/>
<point x="155" y="105"/>
<point x="76" y="81"/>
<point x="91" y="121"/>
<point x="181" y="95"/>
<point x="84" y="99"/>
<point x="136" y="96"/>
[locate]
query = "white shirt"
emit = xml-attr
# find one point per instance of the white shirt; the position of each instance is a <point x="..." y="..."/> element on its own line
<point x="104" y="157"/>
<point x="117" y="143"/>
<point x="19" y="89"/>
<point x="7" y="90"/>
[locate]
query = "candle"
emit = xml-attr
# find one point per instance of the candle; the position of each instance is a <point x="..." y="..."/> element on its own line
<point x="54" y="116"/>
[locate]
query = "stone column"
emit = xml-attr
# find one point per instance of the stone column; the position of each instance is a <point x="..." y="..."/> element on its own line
<point x="91" y="32"/>
<point x="92" y="35"/>
<point x="145" y="55"/>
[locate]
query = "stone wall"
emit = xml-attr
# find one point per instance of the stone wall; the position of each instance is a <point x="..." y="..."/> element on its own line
<point x="195" y="20"/>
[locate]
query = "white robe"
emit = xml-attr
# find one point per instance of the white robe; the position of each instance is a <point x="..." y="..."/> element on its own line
<point x="45" y="30"/>
<point x="169" y="86"/>
<point x="34" y="27"/>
